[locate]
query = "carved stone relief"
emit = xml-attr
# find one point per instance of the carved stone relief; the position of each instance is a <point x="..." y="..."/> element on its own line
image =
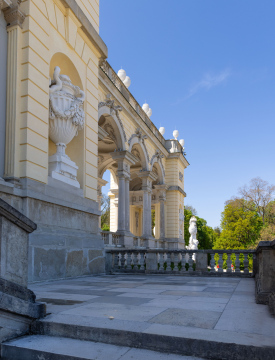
<point x="114" y="110"/>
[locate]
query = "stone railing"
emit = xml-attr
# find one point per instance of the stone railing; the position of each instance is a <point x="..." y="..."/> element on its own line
<point x="109" y="71"/>
<point x="191" y="262"/>
<point x="110" y="238"/>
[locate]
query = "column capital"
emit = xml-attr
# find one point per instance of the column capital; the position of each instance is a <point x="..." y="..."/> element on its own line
<point x="147" y="178"/>
<point x="162" y="188"/>
<point x="124" y="160"/>
<point x="13" y="15"/>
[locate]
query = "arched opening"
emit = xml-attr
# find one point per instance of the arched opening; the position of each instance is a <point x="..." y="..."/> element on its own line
<point x="136" y="193"/>
<point x="105" y="202"/>
<point x="113" y="140"/>
<point x="75" y="148"/>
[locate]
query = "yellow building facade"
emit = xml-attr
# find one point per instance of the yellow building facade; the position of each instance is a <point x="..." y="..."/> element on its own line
<point x="66" y="118"/>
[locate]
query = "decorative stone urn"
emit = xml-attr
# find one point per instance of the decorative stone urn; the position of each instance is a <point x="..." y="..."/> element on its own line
<point x="66" y="119"/>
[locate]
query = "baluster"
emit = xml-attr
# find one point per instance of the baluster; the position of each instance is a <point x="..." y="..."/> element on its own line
<point x="190" y="261"/>
<point x="142" y="261"/>
<point x="172" y="258"/>
<point x="128" y="260"/>
<point x="220" y="262"/>
<point x="122" y="261"/>
<point x="168" y="262"/>
<point x="161" y="262"/>
<point x="115" y="260"/>
<point x="176" y="261"/>
<point x="135" y="261"/>
<point x="119" y="259"/>
<point x="229" y="263"/>
<point x="183" y="262"/>
<point x="237" y="263"/>
<point x="212" y="263"/>
<point x="246" y="263"/>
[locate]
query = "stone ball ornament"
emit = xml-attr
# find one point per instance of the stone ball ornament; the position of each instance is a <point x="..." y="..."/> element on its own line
<point x="127" y="81"/>
<point x="145" y="107"/>
<point x="176" y="134"/>
<point x="121" y="74"/>
<point x="181" y="142"/>
<point x="66" y="118"/>
<point x="162" y="130"/>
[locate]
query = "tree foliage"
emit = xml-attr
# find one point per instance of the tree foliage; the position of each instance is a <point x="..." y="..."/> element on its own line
<point x="105" y="213"/>
<point x="241" y="226"/>
<point x="258" y="196"/>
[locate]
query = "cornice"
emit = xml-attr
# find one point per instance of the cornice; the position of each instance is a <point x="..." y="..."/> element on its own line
<point x="179" y="156"/>
<point x="87" y="28"/>
<point x="177" y="188"/>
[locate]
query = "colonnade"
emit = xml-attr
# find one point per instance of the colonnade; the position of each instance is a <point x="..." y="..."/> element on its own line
<point x="124" y="160"/>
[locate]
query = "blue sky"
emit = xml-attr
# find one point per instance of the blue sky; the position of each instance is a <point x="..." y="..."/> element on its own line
<point x="206" y="68"/>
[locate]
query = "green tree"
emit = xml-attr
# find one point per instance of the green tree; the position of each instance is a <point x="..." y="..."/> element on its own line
<point x="241" y="225"/>
<point x="105" y="213"/>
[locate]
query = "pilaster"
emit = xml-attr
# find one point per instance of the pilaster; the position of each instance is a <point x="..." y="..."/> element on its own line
<point x="14" y="18"/>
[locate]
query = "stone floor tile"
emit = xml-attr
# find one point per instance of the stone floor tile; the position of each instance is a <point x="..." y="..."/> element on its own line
<point x="248" y="321"/>
<point x="188" y="305"/>
<point x="120" y="300"/>
<point x="202" y="294"/>
<point x="118" y="311"/>
<point x="219" y="289"/>
<point x="181" y="317"/>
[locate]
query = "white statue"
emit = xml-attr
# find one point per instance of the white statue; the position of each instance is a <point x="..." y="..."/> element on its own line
<point x="193" y="242"/>
<point x="66" y="119"/>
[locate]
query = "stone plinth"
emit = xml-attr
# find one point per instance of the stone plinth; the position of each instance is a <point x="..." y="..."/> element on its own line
<point x="265" y="275"/>
<point x="14" y="242"/>
<point x="17" y="303"/>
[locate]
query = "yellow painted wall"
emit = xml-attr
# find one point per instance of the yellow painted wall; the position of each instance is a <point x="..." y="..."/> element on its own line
<point x="50" y="35"/>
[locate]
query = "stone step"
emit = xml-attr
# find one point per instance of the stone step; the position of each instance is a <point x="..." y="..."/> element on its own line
<point x="39" y="347"/>
<point x="193" y="342"/>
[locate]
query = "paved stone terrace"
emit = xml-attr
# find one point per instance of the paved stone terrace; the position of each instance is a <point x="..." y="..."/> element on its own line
<point x="213" y="309"/>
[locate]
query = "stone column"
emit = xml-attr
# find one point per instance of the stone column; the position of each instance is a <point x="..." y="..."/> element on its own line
<point x="124" y="160"/>
<point x="127" y="204"/>
<point x="147" y="178"/>
<point x="14" y="18"/>
<point x="162" y="199"/>
<point x="121" y="201"/>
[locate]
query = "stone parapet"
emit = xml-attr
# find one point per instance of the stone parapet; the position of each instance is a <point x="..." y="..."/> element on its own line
<point x="265" y="274"/>
<point x="17" y="302"/>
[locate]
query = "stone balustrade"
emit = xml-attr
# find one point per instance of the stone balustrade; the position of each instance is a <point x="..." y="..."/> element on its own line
<point x="109" y="71"/>
<point x="180" y="262"/>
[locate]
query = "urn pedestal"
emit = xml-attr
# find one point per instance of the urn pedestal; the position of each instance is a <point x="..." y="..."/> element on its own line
<point x="62" y="168"/>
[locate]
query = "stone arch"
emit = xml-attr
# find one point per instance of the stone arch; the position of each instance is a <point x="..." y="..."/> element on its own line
<point x="107" y="115"/>
<point x="157" y="162"/>
<point x="137" y="143"/>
